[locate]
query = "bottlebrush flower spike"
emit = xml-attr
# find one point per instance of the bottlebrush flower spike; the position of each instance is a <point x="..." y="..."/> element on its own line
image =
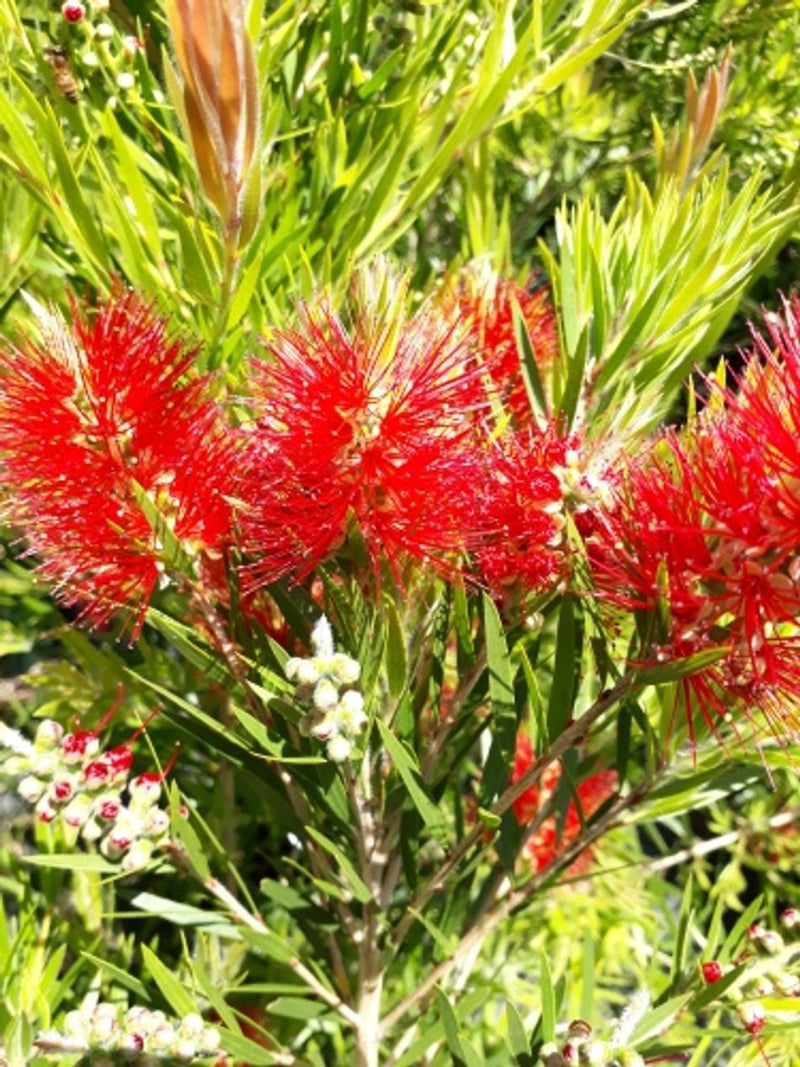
<point x="546" y="843"/>
<point x="706" y="535"/>
<point x="374" y="426"/>
<point x="90" y="419"/>
<point x="521" y="512"/>
<point x="486" y="303"/>
<point x="218" y="102"/>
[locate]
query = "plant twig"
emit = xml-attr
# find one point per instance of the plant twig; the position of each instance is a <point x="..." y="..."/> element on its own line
<point x="255" y="922"/>
<point x="491" y="920"/>
<point x="569" y="737"/>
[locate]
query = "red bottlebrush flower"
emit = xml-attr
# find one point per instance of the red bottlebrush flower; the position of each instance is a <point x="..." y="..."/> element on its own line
<point x="544" y="845"/>
<point x="375" y="427"/>
<point x="88" y="419"/>
<point x="712" y="972"/>
<point x="704" y="536"/>
<point x="520" y="512"/>
<point x="487" y="303"/>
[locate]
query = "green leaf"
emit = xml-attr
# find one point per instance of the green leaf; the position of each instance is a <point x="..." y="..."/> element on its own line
<point x="297" y="1008"/>
<point x="657" y="1019"/>
<point x="171" y="988"/>
<point x="185" y="915"/>
<point x="395" y="651"/>
<point x="118" y="976"/>
<point x="185" y="833"/>
<point x="504" y="715"/>
<point x="73" y="861"/>
<point x="515" y="1031"/>
<point x="406" y="766"/>
<point x="348" y="872"/>
<point x="548" y="997"/>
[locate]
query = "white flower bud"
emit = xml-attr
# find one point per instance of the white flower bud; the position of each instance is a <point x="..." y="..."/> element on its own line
<point x="157" y="822"/>
<point x="344" y="669"/>
<point x="292" y="667"/>
<point x="350" y="715"/>
<point x="338" y="749"/>
<point x="48" y="735"/>
<point x="76" y="1027"/>
<point x="126" y="80"/>
<point x="92" y="831"/>
<point x="184" y="1049"/>
<point x="326" y="695"/>
<point x="104" y="30"/>
<point x="163" y="1037"/>
<point x="191" y="1025"/>
<point x="210" y="1041"/>
<point x="308" y="672"/>
<point x="322" y="638"/>
<point x="138" y="855"/>
<point x="31" y="789"/>
<point x="77" y="812"/>
<point x="45" y="764"/>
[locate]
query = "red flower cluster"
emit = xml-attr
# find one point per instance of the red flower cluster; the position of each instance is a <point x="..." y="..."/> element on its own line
<point x="113" y="452"/>
<point x="545" y="843"/>
<point x="387" y="429"/>
<point x="704" y="539"/>
<point x="89" y="419"/>
<point x="487" y="303"/>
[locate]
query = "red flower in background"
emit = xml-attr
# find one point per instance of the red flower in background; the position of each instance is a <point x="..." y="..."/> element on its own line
<point x="486" y="303"/>
<point x="706" y="533"/>
<point x="545" y="843"/>
<point x="88" y="416"/>
<point x="375" y="427"/>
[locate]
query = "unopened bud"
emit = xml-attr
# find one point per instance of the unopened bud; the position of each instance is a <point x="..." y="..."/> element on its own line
<point x="338" y="749"/>
<point x="49" y="734"/>
<point x="752" y="1015"/>
<point x="78" y="810"/>
<point x="31" y="789"/>
<point x="712" y="972"/>
<point x="790" y="918"/>
<point x="138" y="855"/>
<point x="78" y="746"/>
<point x="326" y="695"/>
<point x="146" y="788"/>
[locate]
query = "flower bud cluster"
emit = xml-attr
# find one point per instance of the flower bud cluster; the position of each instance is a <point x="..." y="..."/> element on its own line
<point x="773" y="971"/>
<point x="88" y="792"/>
<point x="582" y="1048"/>
<point x="336" y="714"/>
<point x="103" y="45"/>
<point x="141" y="1035"/>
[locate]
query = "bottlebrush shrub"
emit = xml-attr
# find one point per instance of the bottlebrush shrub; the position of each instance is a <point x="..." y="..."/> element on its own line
<point x="406" y="724"/>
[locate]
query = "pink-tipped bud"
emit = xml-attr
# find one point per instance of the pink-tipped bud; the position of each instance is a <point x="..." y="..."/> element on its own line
<point x="115" y="843"/>
<point x="44" y="813"/>
<point x="73" y="12"/>
<point x="790" y="919"/>
<point x="712" y="972"/>
<point x="146" y="788"/>
<point x="752" y="1015"/>
<point x="76" y="747"/>
<point x="108" y="808"/>
<point x="77" y="812"/>
<point x="61" y="790"/>
<point x="97" y="774"/>
<point x="120" y="760"/>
